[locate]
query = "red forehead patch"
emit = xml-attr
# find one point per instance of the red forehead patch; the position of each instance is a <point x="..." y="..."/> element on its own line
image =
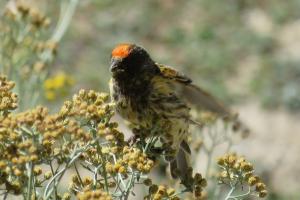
<point x="121" y="51"/>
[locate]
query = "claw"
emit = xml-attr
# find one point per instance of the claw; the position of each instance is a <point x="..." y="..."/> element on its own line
<point x="132" y="140"/>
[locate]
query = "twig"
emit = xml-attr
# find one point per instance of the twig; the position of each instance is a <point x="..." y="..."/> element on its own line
<point x="74" y="157"/>
<point x="64" y="21"/>
<point x="78" y="174"/>
<point x="30" y="179"/>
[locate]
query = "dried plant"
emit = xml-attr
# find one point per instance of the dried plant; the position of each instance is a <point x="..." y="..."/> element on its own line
<point x="81" y="136"/>
<point x="28" y="46"/>
<point x="40" y="149"/>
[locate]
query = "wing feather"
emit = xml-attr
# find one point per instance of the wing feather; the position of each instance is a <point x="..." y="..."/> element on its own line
<point x="193" y="94"/>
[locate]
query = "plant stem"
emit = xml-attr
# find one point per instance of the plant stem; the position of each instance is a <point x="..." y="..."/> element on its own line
<point x="243" y="195"/>
<point x="129" y="186"/>
<point x="229" y="193"/>
<point x="5" y="196"/>
<point x="65" y="21"/>
<point x="60" y="174"/>
<point x="52" y="171"/>
<point x="78" y="174"/>
<point x="103" y="167"/>
<point x="30" y="179"/>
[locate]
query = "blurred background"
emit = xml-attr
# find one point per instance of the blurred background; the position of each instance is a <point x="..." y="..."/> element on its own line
<point x="245" y="52"/>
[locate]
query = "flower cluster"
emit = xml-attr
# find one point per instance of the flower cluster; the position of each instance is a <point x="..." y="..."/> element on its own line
<point x="195" y="184"/>
<point x="35" y="137"/>
<point x="8" y="99"/>
<point x="89" y="105"/>
<point x="93" y="195"/>
<point x="236" y="171"/>
<point x="133" y="159"/>
<point x="24" y="25"/>
<point x="160" y="192"/>
<point x="20" y="10"/>
<point x="199" y="184"/>
<point x="82" y="136"/>
<point x="57" y="86"/>
<point x="108" y="154"/>
<point x="28" y="48"/>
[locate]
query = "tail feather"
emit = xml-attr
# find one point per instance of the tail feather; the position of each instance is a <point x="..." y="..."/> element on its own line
<point x="182" y="164"/>
<point x="185" y="146"/>
<point x="179" y="167"/>
<point x="173" y="169"/>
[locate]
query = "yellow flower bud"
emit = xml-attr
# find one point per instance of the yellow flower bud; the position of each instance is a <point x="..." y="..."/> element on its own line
<point x="37" y="171"/>
<point x="262" y="193"/>
<point x="48" y="175"/>
<point x="252" y="180"/>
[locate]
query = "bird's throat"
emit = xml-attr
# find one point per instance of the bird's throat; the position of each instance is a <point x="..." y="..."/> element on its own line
<point x="132" y="86"/>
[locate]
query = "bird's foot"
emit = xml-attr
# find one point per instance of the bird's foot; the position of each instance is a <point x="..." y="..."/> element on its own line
<point x="132" y="140"/>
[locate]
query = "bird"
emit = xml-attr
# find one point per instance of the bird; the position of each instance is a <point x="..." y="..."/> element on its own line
<point x="151" y="95"/>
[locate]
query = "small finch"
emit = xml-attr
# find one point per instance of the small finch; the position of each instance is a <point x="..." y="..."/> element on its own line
<point x="148" y="95"/>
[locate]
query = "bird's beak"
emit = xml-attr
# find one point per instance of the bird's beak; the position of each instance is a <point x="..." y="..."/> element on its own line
<point x="115" y="64"/>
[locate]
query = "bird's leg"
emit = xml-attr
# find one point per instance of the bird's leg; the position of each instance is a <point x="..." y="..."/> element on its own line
<point x="135" y="137"/>
<point x="132" y="140"/>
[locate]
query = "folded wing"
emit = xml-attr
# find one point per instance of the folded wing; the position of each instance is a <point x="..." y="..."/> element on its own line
<point x="193" y="94"/>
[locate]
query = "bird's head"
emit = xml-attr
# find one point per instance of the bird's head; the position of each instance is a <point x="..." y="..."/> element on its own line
<point x="130" y="59"/>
